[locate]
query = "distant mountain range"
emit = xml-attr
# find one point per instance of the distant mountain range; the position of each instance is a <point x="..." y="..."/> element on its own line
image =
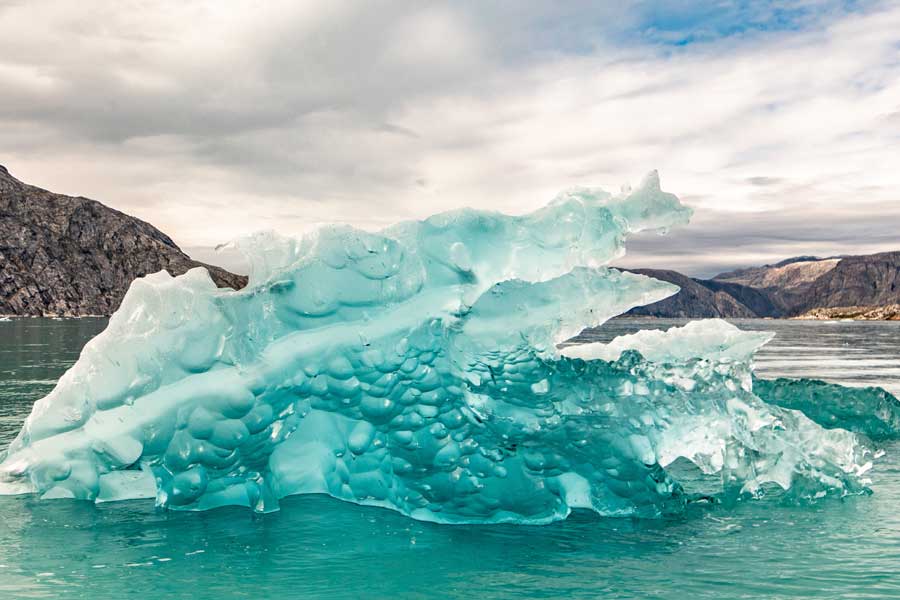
<point x="64" y="255"/>
<point x="806" y="286"/>
<point x="70" y="256"/>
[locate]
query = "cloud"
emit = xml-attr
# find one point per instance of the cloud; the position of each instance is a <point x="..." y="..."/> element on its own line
<point x="211" y="119"/>
<point x="717" y="242"/>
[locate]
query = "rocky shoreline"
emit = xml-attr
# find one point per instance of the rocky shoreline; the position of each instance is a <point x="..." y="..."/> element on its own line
<point x="890" y="312"/>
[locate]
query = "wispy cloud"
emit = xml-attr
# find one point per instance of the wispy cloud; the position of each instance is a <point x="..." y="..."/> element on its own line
<point x="776" y="121"/>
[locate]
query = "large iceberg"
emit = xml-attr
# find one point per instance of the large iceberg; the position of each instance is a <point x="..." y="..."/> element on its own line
<point x="418" y="369"/>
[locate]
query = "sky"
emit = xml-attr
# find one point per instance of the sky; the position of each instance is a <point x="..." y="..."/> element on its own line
<point x="778" y="122"/>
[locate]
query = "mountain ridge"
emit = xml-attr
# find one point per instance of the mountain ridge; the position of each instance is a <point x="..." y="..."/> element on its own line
<point x="72" y="256"/>
<point x="804" y="286"/>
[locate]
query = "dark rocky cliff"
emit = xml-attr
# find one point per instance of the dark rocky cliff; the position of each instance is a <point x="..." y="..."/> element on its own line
<point x="64" y="255"/>
<point x="695" y="300"/>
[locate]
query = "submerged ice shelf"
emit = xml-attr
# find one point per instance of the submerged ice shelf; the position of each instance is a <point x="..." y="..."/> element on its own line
<point x="417" y="368"/>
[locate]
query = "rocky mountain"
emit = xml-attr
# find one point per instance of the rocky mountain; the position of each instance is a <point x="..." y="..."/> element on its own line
<point x="872" y="280"/>
<point x="64" y="255"/>
<point x="787" y="274"/>
<point x="695" y="300"/>
<point x="853" y="286"/>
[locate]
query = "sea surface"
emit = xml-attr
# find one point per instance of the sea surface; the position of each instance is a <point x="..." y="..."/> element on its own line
<point x="317" y="547"/>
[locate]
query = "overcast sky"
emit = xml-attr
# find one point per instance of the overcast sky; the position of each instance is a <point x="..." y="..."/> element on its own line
<point x="778" y="122"/>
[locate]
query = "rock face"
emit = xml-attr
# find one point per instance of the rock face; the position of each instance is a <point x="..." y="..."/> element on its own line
<point x="872" y="280"/>
<point x="695" y="300"/>
<point x="847" y="287"/>
<point x="71" y="256"/>
<point x="790" y="273"/>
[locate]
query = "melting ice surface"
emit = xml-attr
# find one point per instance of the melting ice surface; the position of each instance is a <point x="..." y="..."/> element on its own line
<point x="417" y="368"/>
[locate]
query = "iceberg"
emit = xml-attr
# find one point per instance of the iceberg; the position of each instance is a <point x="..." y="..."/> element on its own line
<point x="871" y="411"/>
<point x="419" y="368"/>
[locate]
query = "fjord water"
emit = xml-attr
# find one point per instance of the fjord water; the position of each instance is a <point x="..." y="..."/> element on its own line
<point x="316" y="547"/>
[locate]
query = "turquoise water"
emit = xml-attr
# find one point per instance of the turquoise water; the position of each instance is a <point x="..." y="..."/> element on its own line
<point x="316" y="547"/>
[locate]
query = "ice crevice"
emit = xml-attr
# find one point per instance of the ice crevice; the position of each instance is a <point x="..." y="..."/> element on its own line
<point x="417" y="368"/>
